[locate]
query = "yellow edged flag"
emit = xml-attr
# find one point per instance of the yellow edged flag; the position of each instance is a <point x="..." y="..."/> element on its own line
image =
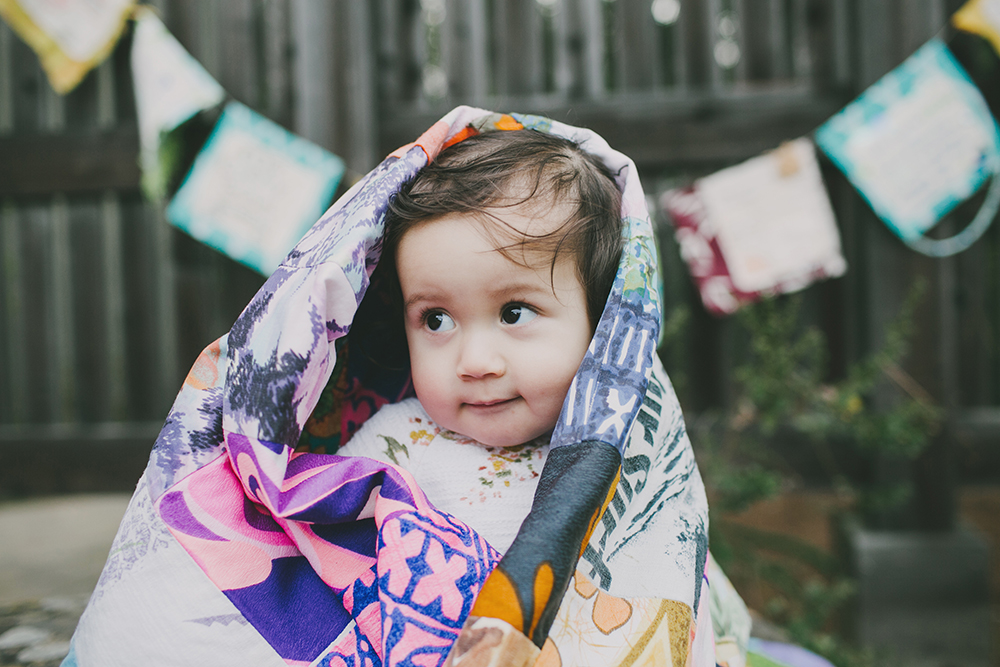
<point x="71" y="37"/>
<point x="981" y="17"/>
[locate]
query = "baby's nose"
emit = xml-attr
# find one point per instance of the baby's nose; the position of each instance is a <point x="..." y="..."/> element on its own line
<point x="480" y="357"/>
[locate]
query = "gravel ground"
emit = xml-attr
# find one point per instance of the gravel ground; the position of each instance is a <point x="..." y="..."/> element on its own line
<point x="37" y="633"/>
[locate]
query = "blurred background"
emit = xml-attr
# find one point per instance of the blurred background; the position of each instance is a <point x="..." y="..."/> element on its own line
<point x="849" y="435"/>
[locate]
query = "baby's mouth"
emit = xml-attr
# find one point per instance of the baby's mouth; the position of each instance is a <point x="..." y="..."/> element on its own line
<point x="490" y="404"/>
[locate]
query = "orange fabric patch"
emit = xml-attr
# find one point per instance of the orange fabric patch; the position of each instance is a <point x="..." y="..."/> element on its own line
<point x="610" y="613"/>
<point x="463" y="134"/>
<point x="507" y="122"/>
<point x="543" y="591"/>
<point x="549" y="657"/>
<point x="498" y="599"/>
<point x="599" y="511"/>
<point x="584" y="586"/>
<point x="205" y="372"/>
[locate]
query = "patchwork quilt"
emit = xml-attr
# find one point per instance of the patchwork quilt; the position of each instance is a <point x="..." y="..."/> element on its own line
<point x="250" y="542"/>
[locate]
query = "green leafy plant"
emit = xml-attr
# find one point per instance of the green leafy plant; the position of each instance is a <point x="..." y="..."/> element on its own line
<point x="783" y="394"/>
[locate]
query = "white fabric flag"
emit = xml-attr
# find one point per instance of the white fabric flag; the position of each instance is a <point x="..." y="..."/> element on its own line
<point x="170" y="87"/>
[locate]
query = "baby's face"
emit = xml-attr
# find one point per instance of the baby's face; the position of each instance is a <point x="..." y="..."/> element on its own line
<point x="493" y="345"/>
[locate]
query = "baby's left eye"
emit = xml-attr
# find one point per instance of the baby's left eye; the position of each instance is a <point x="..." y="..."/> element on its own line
<point x="517" y="313"/>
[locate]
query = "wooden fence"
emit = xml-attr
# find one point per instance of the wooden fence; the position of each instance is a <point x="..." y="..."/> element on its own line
<point x="103" y="306"/>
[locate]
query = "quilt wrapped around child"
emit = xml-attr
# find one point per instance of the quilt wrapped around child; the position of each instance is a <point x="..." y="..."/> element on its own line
<point x="246" y="544"/>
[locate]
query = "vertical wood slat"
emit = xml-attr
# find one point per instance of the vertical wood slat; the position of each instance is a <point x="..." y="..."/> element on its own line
<point x="15" y="356"/>
<point x="277" y="92"/>
<point x="679" y="33"/>
<point x="737" y="12"/>
<point x="564" y="73"/>
<point x="479" y="66"/>
<point x="206" y="39"/>
<point x="592" y="25"/>
<point x="711" y="30"/>
<point x="993" y="310"/>
<point x="26" y="82"/>
<point x="840" y="24"/>
<point x="233" y="39"/>
<point x="465" y="48"/>
<point x="165" y="305"/>
<point x="417" y="38"/>
<point x="6" y="80"/>
<point x="60" y="329"/>
<point x="361" y="100"/>
<point x="501" y="60"/>
<point x="447" y="52"/>
<point x="315" y="113"/>
<point x="778" y="32"/>
<point x="114" y="306"/>
<point x="636" y="40"/>
<point x="802" y="65"/>
<point x="392" y="54"/>
<point x="524" y="74"/>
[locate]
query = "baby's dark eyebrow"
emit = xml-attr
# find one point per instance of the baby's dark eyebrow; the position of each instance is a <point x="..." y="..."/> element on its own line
<point x="418" y="297"/>
<point x="517" y="289"/>
<point x="506" y="291"/>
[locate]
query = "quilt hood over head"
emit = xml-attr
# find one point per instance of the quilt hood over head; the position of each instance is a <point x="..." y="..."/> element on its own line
<point x="246" y="544"/>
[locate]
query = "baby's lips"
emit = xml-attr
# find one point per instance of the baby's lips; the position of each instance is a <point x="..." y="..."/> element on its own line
<point x="489" y="402"/>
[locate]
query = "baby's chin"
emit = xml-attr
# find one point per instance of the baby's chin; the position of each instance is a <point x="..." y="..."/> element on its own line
<point x="507" y="440"/>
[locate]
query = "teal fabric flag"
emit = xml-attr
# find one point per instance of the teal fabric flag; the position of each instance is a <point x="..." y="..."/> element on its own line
<point x="917" y="143"/>
<point x="254" y="189"/>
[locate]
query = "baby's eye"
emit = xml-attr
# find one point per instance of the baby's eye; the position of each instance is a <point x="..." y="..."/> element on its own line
<point x="438" y="321"/>
<point x="517" y="313"/>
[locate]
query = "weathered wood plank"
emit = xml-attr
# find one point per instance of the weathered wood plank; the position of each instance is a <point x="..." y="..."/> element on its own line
<point x="57" y="459"/>
<point x="40" y="164"/>
<point x="662" y="133"/>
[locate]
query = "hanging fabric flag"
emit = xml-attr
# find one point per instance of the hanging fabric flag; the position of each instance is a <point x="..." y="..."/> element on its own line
<point x="981" y="17"/>
<point x="254" y="189"/>
<point x="170" y="87"/>
<point x="71" y="37"/>
<point x="917" y="143"/>
<point x="759" y="228"/>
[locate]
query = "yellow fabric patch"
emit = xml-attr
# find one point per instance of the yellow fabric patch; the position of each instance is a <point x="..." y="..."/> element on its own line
<point x="977" y="16"/>
<point x="65" y="70"/>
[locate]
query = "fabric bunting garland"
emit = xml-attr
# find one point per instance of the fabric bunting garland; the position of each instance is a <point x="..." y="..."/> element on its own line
<point x="71" y="37"/>
<point x="760" y="228"/>
<point x="915" y="144"/>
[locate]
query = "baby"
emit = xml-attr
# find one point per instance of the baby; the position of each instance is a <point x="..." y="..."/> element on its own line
<point x="501" y="253"/>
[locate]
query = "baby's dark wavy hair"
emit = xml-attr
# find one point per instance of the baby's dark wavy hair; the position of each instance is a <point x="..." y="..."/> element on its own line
<point x="517" y="168"/>
<point x="486" y="173"/>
